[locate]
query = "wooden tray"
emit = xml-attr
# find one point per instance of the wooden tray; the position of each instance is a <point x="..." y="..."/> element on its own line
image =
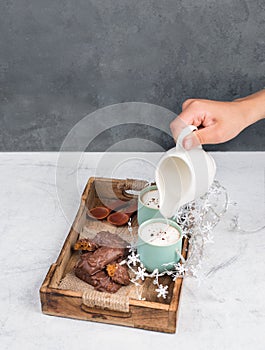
<point x="153" y="313"/>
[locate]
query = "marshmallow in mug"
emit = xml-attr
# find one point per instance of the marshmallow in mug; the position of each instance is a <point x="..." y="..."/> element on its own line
<point x="160" y="234"/>
<point x="151" y="199"/>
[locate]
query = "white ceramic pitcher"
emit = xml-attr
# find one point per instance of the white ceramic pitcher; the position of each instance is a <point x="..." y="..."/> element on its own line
<point x="182" y="176"/>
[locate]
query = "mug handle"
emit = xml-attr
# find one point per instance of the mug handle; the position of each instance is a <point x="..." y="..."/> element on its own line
<point x="186" y="131"/>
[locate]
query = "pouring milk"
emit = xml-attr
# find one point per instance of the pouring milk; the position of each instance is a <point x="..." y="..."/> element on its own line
<point x="182" y="176"/>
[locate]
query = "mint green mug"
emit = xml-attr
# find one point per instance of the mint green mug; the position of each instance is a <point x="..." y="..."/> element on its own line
<point x="146" y="211"/>
<point x="159" y="244"/>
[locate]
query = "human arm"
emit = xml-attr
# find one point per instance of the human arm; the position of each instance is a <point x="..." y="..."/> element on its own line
<point x="218" y="121"/>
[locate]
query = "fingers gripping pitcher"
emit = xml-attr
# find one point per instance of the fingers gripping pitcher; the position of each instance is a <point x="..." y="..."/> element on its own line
<point x="182" y="176"/>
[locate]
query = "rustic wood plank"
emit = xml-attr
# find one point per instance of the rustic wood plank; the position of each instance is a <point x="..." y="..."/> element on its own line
<point x="178" y="283"/>
<point x="139" y="317"/>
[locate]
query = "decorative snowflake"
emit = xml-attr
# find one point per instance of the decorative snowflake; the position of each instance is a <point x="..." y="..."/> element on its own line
<point x="180" y="268"/>
<point x="194" y="271"/>
<point x="132" y="249"/>
<point x="133" y="258"/>
<point x="162" y="291"/>
<point x="208" y="238"/>
<point x="207" y="227"/>
<point x="140" y="273"/>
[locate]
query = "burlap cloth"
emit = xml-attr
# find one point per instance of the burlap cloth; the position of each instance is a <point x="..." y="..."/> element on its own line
<point x="132" y="291"/>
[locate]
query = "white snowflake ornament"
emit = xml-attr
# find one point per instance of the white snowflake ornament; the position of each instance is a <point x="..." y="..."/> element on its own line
<point x="133" y="259"/>
<point x="162" y="291"/>
<point x="140" y="273"/>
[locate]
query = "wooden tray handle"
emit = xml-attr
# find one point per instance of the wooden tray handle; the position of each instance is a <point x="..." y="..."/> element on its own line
<point x="110" y="304"/>
<point x="132" y="184"/>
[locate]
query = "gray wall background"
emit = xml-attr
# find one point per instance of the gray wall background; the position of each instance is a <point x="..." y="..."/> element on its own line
<point x="60" y="60"/>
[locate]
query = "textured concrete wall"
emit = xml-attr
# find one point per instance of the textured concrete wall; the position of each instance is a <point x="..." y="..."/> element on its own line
<point x="60" y="60"/>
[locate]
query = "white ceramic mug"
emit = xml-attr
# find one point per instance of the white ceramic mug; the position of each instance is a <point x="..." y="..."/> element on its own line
<point x="182" y="176"/>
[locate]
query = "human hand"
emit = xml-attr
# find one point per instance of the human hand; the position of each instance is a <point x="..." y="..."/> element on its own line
<point x="217" y="121"/>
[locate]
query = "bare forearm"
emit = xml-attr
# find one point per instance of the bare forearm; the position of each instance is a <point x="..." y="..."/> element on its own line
<point x="253" y="107"/>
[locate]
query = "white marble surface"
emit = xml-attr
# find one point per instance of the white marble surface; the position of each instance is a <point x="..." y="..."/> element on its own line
<point x="226" y="311"/>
